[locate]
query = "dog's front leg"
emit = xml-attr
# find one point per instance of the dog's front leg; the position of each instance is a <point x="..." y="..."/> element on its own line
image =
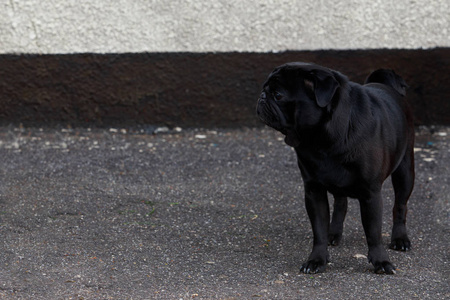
<point x="319" y="214"/>
<point x="371" y="215"/>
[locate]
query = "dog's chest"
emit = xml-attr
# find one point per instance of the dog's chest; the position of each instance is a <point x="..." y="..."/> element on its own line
<point x="337" y="176"/>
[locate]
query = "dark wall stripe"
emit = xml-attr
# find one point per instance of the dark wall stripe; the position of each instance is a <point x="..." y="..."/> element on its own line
<point x="191" y="89"/>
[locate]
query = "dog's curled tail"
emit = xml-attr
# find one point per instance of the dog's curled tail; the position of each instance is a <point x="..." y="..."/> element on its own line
<point x="390" y="78"/>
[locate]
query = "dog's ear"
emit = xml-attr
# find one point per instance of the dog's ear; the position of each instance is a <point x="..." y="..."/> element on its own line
<point x="323" y="85"/>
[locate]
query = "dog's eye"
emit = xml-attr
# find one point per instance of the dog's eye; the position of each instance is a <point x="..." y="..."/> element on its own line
<point x="277" y="96"/>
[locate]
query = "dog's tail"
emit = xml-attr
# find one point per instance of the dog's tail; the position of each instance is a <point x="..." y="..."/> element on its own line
<point x="390" y="78"/>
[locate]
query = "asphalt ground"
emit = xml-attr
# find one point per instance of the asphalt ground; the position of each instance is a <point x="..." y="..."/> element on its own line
<point x="196" y="214"/>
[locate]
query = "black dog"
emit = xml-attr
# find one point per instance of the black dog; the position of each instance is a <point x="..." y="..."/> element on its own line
<point x="348" y="138"/>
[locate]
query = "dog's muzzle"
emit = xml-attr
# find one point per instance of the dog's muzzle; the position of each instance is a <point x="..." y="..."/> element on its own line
<point x="262" y="109"/>
<point x="269" y="112"/>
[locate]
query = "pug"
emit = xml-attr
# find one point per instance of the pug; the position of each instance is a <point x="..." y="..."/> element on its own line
<point x="348" y="139"/>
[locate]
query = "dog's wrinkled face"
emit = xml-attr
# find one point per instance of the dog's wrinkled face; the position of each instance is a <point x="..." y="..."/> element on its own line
<point x="295" y="96"/>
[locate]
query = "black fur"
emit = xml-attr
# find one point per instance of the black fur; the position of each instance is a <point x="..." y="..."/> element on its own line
<point x="348" y="138"/>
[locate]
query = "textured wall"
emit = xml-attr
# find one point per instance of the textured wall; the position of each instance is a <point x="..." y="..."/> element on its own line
<point x="35" y="26"/>
<point x="192" y="89"/>
<point x="136" y="61"/>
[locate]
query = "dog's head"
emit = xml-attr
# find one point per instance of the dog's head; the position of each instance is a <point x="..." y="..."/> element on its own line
<point x="297" y="96"/>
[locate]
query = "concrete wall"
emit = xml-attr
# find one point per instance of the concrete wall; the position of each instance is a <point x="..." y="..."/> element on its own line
<point x="36" y="26"/>
<point x="202" y="63"/>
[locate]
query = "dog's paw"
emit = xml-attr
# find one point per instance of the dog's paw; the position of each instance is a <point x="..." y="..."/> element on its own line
<point x="334" y="239"/>
<point x="400" y="244"/>
<point x="313" y="266"/>
<point x="384" y="267"/>
<point x="380" y="260"/>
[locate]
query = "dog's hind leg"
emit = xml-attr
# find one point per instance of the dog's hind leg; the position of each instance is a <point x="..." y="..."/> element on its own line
<point x="337" y="221"/>
<point x="403" y="183"/>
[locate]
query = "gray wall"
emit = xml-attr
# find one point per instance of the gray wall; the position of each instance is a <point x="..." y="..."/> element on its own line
<point x="36" y="26"/>
<point x="202" y="63"/>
